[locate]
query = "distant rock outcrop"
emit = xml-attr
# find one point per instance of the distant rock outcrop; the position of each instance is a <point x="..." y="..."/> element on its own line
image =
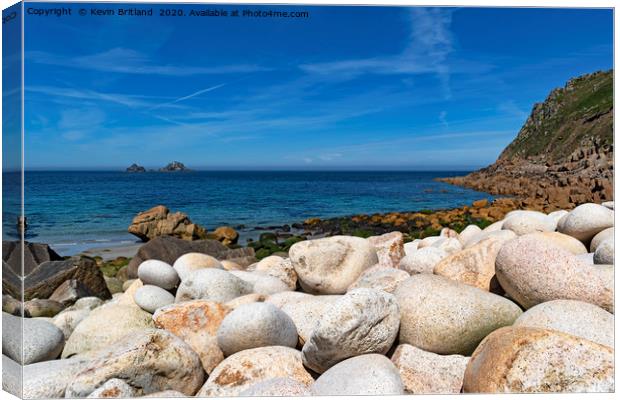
<point x="135" y="168"/>
<point x="174" y="166"/>
<point x="159" y="221"/>
<point x="563" y="155"/>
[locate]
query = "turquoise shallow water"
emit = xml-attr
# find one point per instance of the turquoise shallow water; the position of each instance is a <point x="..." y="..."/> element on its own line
<point x="73" y="211"/>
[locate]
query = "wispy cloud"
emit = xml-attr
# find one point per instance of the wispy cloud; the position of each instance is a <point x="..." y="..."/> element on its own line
<point x="129" y="61"/>
<point x="183" y="98"/>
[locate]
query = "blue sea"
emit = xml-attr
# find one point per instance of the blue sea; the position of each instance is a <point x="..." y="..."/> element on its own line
<point x="74" y="211"/>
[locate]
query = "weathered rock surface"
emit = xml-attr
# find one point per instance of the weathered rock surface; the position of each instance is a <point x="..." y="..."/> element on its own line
<point x="246" y="368"/>
<point x="67" y="320"/>
<point x="386" y="279"/>
<point x="256" y="325"/>
<point x="114" y="388"/>
<point x="532" y="271"/>
<point x="12" y="381"/>
<point x="530" y="360"/>
<point x="576" y="318"/>
<point x="151" y="360"/>
<point x="49" y="379"/>
<point x="41" y="340"/>
<point x="159" y="221"/>
<point x="196" y="323"/>
<point x="390" y="248"/>
<point x="211" y="284"/>
<point x="423" y="261"/>
<point x="33" y="255"/>
<point x="277" y="387"/>
<point x="566" y="242"/>
<point x="586" y="220"/>
<point x="369" y="374"/>
<point x="158" y="273"/>
<point x="70" y="291"/>
<point x="447" y="317"/>
<point x="331" y="265"/>
<point x="277" y="267"/>
<point x="423" y="372"/>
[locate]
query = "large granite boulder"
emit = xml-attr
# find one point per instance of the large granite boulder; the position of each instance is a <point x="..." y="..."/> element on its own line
<point x="49" y="275"/>
<point x="159" y="221"/>
<point x="168" y="249"/>
<point x="34" y="254"/>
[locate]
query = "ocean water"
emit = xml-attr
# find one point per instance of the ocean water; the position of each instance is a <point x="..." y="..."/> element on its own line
<point x="73" y="211"/>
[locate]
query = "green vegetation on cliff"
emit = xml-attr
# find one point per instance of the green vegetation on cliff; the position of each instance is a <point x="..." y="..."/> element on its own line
<point x="581" y="112"/>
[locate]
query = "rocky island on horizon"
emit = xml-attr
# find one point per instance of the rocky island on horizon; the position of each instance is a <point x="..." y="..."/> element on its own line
<point x="174" y="166"/>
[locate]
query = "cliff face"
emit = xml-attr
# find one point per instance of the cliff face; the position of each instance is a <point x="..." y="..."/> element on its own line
<point x="563" y="154"/>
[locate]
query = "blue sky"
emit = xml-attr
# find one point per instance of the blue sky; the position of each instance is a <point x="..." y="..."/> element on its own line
<point x="346" y="88"/>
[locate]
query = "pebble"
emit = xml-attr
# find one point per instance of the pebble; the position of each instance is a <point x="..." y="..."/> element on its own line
<point x="150" y="298"/>
<point x="447" y="317"/>
<point x="158" y="273"/>
<point x="362" y="321"/>
<point x="190" y="262"/>
<point x="532" y="360"/>
<point x="256" y="325"/>
<point x="211" y="284"/>
<point x="331" y="265"/>
<point x="422" y="261"/>
<point x="367" y="375"/>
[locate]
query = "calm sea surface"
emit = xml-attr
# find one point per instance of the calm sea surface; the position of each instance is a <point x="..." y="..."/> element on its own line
<point x="74" y="211"/>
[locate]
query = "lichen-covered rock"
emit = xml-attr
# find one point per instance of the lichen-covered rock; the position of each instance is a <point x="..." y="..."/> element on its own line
<point x="362" y="321"/>
<point x="196" y="323"/>
<point x="423" y="372"/>
<point x="576" y="318"/>
<point x="151" y="360"/>
<point x="533" y="271"/>
<point x="256" y="325"/>
<point x="331" y="265"/>
<point x="246" y="368"/>
<point x="368" y="375"/>
<point x="532" y="360"/>
<point x="447" y="317"/>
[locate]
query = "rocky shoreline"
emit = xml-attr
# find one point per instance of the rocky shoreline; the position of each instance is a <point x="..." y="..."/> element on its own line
<point x="482" y="299"/>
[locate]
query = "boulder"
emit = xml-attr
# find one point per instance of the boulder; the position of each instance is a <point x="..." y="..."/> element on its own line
<point x="12" y="381"/>
<point x="246" y="299"/>
<point x="196" y="323"/>
<point x="305" y="311"/>
<point x="158" y="273"/>
<point x="600" y="238"/>
<point x="150" y="298"/>
<point x="469" y="232"/>
<point x="261" y="282"/>
<point x="256" y="325"/>
<point x="367" y="375"/>
<point x="48" y="276"/>
<point x="159" y="221"/>
<point x="390" y="248"/>
<point x="67" y="320"/>
<point x="566" y="242"/>
<point x="576" y="318"/>
<point x="585" y="221"/>
<point x="331" y="265"/>
<point x="447" y="317"/>
<point x="226" y="235"/>
<point x="604" y="253"/>
<point x="411" y="247"/>
<point x="428" y="241"/>
<point x="386" y="279"/>
<point x="362" y="321"/>
<point x="152" y="360"/>
<point x="532" y="271"/>
<point x="474" y="266"/>
<point x="532" y="360"/>
<point x="211" y="284"/>
<point x="104" y="326"/>
<point x="49" y="379"/>
<point x="168" y="249"/>
<point x="190" y="262"/>
<point x="33" y="255"/>
<point x="448" y="244"/>
<point x="423" y="372"/>
<point x="523" y="222"/>
<point x="423" y="261"/>
<point x="70" y="291"/>
<point x="503" y="235"/>
<point x="39" y="340"/>
<point x="42" y="308"/>
<point x="278" y="267"/>
<point x="277" y="387"/>
<point x="248" y="367"/>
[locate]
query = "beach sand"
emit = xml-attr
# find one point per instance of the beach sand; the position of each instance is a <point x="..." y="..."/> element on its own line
<point x="110" y="253"/>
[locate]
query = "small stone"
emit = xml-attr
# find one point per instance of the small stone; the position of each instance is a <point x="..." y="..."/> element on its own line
<point x="114" y="388"/>
<point x="600" y="238"/>
<point x="533" y="271"/>
<point x="532" y="360"/>
<point x="447" y="317"/>
<point x="331" y="265"/>
<point x="256" y="325"/>
<point x="248" y="367"/>
<point x="368" y="375"/>
<point x="150" y="298"/>
<point x="390" y="248"/>
<point x="11" y="306"/>
<point x="586" y="220"/>
<point x="277" y="387"/>
<point x="190" y="262"/>
<point x="422" y="261"/>
<point x="158" y="273"/>
<point x="576" y="318"/>
<point x="604" y="253"/>
<point x="39" y="340"/>
<point x="386" y="279"/>
<point x="211" y="284"/>
<point x="423" y="372"/>
<point x="362" y="321"/>
<point x="153" y="360"/>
